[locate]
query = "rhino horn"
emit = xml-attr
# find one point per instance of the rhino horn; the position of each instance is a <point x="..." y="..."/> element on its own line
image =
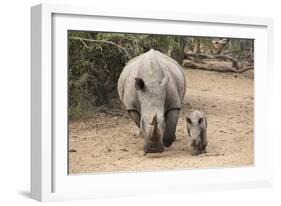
<point x="154" y="123"/>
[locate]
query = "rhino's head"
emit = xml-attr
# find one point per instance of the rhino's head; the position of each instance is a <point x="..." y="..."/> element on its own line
<point x="152" y="98"/>
<point x="194" y="129"/>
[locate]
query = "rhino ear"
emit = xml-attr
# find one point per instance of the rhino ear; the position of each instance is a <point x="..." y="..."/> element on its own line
<point x="139" y="84"/>
<point x="165" y="81"/>
<point x="188" y="121"/>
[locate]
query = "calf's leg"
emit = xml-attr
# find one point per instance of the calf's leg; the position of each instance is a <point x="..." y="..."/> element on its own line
<point x="204" y="141"/>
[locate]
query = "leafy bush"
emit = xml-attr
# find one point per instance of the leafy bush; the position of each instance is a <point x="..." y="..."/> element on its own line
<point x="95" y="63"/>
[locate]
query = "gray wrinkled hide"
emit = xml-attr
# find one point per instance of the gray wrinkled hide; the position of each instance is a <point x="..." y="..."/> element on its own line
<point x="197" y="131"/>
<point x="163" y="94"/>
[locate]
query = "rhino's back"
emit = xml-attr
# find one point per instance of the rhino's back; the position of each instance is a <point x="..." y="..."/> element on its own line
<point x="175" y="72"/>
<point x="151" y="66"/>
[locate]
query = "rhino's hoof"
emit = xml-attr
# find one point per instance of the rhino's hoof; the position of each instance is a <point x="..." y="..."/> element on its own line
<point x="195" y="152"/>
<point x="153" y="149"/>
<point x="168" y="142"/>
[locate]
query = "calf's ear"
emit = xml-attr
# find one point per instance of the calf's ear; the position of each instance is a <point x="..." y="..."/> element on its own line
<point x="188" y="121"/>
<point x="139" y="84"/>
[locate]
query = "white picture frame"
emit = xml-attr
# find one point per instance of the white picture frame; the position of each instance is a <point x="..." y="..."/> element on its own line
<point x="49" y="178"/>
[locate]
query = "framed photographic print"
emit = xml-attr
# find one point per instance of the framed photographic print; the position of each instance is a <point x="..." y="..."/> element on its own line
<point x="135" y="102"/>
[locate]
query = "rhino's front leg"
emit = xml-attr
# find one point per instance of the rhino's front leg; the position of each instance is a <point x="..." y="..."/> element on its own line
<point x="135" y="116"/>
<point x="171" y="120"/>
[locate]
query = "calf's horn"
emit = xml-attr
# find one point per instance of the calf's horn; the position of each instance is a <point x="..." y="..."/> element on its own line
<point x="154" y="120"/>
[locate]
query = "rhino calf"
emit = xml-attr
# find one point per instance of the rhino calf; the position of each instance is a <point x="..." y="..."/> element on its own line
<point x="197" y="131"/>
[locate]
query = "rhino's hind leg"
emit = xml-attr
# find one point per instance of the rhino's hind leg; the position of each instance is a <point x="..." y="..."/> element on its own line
<point x="135" y="116"/>
<point x="171" y="120"/>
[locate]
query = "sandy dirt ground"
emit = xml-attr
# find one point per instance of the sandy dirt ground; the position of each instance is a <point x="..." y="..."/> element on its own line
<point x="108" y="143"/>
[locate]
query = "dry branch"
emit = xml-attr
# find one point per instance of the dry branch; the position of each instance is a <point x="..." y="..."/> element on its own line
<point x="122" y="49"/>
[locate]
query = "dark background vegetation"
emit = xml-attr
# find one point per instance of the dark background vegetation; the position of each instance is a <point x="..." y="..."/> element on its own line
<point x="96" y="59"/>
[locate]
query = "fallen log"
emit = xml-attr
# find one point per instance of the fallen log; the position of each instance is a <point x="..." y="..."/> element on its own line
<point x="216" y="66"/>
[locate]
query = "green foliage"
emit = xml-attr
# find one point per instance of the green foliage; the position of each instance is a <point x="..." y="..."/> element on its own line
<point x="95" y="63"/>
<point x="93" y="73"/>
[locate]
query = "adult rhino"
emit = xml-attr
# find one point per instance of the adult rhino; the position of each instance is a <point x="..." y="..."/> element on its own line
<point x="152" y="87"/>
